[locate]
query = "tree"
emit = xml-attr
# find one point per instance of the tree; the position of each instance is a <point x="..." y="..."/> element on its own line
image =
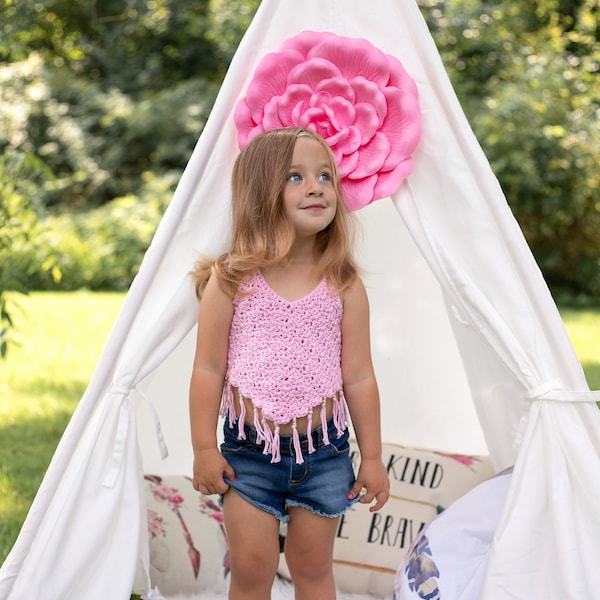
<point x="113" y="89"/>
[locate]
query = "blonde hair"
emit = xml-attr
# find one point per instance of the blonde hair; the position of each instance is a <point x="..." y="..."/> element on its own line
<point x="262" y="233"/>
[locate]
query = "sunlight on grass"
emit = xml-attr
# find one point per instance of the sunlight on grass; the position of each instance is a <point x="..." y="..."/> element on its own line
<point x="59" y="340"/>
<point x="583" y="327"/>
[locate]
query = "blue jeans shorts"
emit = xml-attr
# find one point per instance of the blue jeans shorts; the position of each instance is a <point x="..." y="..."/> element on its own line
<point x="321" y="484"/>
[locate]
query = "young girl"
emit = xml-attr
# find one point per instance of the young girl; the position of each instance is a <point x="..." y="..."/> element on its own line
<point x="282" y="352"/>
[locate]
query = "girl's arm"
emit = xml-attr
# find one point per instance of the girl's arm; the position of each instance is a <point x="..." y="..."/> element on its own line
<point x="362" y="396"/>
<point x="206" y="386"/>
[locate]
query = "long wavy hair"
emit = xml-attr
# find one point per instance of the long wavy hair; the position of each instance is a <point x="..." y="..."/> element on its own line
<point x="262" y="233"/>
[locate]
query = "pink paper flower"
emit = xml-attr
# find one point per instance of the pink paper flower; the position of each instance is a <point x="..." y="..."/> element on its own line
<point x="360" y="100"/>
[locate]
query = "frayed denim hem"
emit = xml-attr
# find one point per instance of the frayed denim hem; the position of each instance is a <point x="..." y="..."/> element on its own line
<point x="320" y="513"/>
<point x="265" y="507"/>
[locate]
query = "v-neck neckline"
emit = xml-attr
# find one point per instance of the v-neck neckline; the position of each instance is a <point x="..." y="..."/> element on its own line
<point x="280" y="297"/>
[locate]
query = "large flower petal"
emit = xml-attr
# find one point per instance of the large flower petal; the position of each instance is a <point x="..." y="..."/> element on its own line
<point x="368" y="92"/>
<point x="304" y="42"/>
<point x="400" y="78"/>
<point x="347" y="140"/>
<point x="337" y="86"/>
<point x="293" y="95"/>
<point x="313" y="72"/>
<point x="367" y="121"/>
<point x="358" y="192"/>
<point x="271" y="115"/>
<point x="346" y="162"/>
<point x="342" y="112"/>
<point x="354" y="57"/>
<point x="401" y="125"/>
<point x="389" y="181"/>
<point x="243" y="119"/>
<point x="372" y="156"/>
<point x="271" y="78"/>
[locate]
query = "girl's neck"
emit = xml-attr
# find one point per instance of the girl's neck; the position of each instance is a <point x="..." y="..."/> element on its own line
<point x="297" y="275"/>
<point x="302" y="251"/>
<point x="292" y="280"/>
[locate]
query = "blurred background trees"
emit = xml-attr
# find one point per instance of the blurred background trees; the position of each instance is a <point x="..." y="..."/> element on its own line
<point x="102" y="101"/>
<point x="527" y="75"/>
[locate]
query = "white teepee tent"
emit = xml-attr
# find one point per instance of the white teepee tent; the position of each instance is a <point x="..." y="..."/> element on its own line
<point x="470" y="351"/>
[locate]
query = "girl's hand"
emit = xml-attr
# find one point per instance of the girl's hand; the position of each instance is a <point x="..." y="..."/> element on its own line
<point x="373" y="483"/>
<point x="210" y="469"/>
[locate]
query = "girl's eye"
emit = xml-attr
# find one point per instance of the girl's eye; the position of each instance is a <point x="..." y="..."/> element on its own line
<point x="294" y="177"/>
<point x="324" y="177"/>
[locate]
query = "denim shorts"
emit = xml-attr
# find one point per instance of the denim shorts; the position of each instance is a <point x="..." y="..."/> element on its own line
<point x="321" y="484"/>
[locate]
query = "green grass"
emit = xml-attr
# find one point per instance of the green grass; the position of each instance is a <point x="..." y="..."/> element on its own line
<point x="60" y="337"/>
<point x="583" y="327"/>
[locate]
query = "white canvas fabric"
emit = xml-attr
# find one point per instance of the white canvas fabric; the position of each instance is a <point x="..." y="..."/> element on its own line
<point x="469" y="349"/>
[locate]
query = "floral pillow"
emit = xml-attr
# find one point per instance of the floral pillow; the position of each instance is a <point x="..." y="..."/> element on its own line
<point x="188" y="549"/>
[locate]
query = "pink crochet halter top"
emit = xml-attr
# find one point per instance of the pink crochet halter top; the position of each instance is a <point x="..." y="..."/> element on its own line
<point x="284" y="356"/>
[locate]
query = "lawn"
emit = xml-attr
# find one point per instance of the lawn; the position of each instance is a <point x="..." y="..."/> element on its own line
<point x="584" y="330"/>
<point x="60" y="337"/>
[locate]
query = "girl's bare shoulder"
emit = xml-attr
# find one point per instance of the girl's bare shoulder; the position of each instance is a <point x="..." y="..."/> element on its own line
<point x="355" y="292"/>
<point x="215" y="297"/>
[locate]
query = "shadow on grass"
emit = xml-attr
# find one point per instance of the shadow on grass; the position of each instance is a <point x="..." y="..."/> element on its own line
<point x="26" y="447"/>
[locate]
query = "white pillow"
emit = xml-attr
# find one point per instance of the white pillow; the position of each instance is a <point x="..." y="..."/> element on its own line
<point x="450" y="556"/>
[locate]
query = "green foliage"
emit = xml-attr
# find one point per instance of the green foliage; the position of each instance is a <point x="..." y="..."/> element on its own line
<point x="583" y="326"/>
<point x="526" y="75"/>
<point x="22" y="177"/>
<point x="97" y="143"/>
<point x="229" y="21"/>
<point x="135" y="46"/>
<point x="106" y="100"/>
<point x="104" y="91"/>
<point x="98" y="249"/>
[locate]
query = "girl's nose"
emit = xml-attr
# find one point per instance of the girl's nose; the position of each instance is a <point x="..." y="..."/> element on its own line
<point x="315" y="187"/>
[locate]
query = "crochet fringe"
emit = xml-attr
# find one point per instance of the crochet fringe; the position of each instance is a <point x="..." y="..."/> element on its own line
<point x="272" y="439"/>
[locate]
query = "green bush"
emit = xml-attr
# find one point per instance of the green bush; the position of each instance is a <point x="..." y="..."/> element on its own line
<point x="97" y="142"/>
<point x="98" y="249"/>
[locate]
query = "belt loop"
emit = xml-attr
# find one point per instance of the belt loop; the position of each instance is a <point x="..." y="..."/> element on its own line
<point x="319" y="434"/>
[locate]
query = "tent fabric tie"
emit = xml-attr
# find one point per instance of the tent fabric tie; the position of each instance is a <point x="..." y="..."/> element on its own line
<point x="553" y="391"/>
<point x="160" y="439"/>
<point x="122" y="392"/>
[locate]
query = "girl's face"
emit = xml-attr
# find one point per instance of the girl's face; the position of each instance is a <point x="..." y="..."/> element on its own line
<point x="309" y="197"/>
